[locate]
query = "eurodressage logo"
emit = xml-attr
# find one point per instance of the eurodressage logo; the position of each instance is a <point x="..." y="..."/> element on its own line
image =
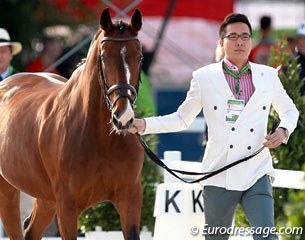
<point x="245" y="231"/>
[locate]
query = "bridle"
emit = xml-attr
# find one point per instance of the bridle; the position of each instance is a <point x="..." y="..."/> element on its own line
<point x="123" y="88"/>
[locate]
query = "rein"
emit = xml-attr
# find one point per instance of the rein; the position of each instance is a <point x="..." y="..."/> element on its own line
<point x="206" y="175"/>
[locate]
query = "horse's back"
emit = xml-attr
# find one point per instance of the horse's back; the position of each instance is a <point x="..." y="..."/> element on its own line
<point x="27" y="79"/>
<point x="23" y="89"/>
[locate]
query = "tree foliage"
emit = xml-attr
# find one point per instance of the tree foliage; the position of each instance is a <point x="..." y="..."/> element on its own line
<point x="290" y="203"/>
<point x="27" y="20"/>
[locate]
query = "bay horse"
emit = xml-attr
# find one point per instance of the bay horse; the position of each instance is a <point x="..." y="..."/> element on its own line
<point x="66" y="143"/>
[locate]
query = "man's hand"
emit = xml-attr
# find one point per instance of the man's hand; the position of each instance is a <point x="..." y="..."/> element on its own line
<point x="275" y="139"/>
<point x="138" y="126"/>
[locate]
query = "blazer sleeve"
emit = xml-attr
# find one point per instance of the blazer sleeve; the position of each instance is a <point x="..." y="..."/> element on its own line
<point x="285" y="107"/>
<point x="182" y="118"/>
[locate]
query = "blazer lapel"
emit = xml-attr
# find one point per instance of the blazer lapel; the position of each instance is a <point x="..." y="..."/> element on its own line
<point x="220" y="82"/>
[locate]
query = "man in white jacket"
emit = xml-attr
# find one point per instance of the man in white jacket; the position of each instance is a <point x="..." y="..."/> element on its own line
<point x="235" y="96"/>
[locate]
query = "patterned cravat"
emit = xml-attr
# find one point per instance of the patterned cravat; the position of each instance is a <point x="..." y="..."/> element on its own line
<point x="236" y="76"/>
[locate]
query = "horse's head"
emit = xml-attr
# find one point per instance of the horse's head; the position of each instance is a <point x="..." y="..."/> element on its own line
<point x="120" y="63"/>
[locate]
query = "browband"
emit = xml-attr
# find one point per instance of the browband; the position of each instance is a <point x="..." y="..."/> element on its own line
<point x="119" y="39"/>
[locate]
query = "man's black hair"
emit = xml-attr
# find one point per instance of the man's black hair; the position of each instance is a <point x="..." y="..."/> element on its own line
<point x="233" y="18"/>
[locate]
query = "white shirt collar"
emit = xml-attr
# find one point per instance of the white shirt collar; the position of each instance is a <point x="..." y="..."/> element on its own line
<point x="5" y="74"/>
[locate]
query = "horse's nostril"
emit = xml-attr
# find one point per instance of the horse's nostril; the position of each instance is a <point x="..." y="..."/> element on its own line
<point x="129" y="123"/>
<point x="122" y="119"/>
<point x="119" y="125"/>
<point x="116" y="122"/>
<point x="115" y="118"/>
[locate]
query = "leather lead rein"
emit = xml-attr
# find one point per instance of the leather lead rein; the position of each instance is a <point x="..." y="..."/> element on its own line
<point x="207" y="175"/>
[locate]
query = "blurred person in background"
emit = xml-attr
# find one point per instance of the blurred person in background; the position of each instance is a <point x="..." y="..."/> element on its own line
<point x="52" y="49"/>
<point x="8" y="50"/>
<point x="219" y="53"/>
<point x="261" y="52"/>
<point x="67" y="67"/>
<point x="291" y="44"/>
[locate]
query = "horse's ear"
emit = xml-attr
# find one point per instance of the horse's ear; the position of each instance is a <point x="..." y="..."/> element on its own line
<point x="105" y="21"/>
<point x="136" y="20"/>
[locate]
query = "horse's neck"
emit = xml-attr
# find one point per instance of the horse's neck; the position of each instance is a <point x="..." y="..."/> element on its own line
<point x="86" y="93"/>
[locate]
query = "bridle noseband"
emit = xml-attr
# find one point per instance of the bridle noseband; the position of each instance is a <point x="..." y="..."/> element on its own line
<point x="123" y="88"/>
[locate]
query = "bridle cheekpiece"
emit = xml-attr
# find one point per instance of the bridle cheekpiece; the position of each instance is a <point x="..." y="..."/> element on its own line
<point x="123" y="88"/>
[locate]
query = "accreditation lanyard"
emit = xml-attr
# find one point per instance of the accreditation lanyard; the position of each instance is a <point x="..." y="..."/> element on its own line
<point x="236" y="77"/>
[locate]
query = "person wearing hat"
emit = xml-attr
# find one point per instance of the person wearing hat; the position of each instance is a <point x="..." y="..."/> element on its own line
<point x="8" y="49"/>
<point x="300" y="51"/>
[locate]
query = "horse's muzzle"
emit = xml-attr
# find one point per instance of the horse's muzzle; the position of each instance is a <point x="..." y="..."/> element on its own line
<point x="120" y="126"/>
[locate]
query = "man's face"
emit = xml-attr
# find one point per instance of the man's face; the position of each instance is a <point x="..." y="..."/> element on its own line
<point x="301" y="44"/>
<point x="5" y="58"/>
<point x="237" y="42"/>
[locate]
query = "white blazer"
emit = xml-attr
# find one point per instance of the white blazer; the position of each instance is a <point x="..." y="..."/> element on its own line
<point x="209" y="92"/>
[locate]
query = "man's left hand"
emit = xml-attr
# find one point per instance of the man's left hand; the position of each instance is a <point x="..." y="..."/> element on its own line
<point x="275" y="139"/>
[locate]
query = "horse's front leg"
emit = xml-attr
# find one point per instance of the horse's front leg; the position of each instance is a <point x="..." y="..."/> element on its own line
<point x="129" y="205"/>
<point x="41" y="217"/>
<point x="67" y="216"/>
<point x="9" y="210"/>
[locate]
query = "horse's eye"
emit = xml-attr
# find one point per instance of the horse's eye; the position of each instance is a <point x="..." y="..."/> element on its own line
<point x="103" y="59"/>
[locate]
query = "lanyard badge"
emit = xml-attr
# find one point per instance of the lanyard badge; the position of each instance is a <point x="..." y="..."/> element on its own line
<point x="233" y="110"/>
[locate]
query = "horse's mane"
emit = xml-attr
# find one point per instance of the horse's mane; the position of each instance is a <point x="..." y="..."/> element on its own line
<point x="119" y="24"/>
<point x="82" y="62"/>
